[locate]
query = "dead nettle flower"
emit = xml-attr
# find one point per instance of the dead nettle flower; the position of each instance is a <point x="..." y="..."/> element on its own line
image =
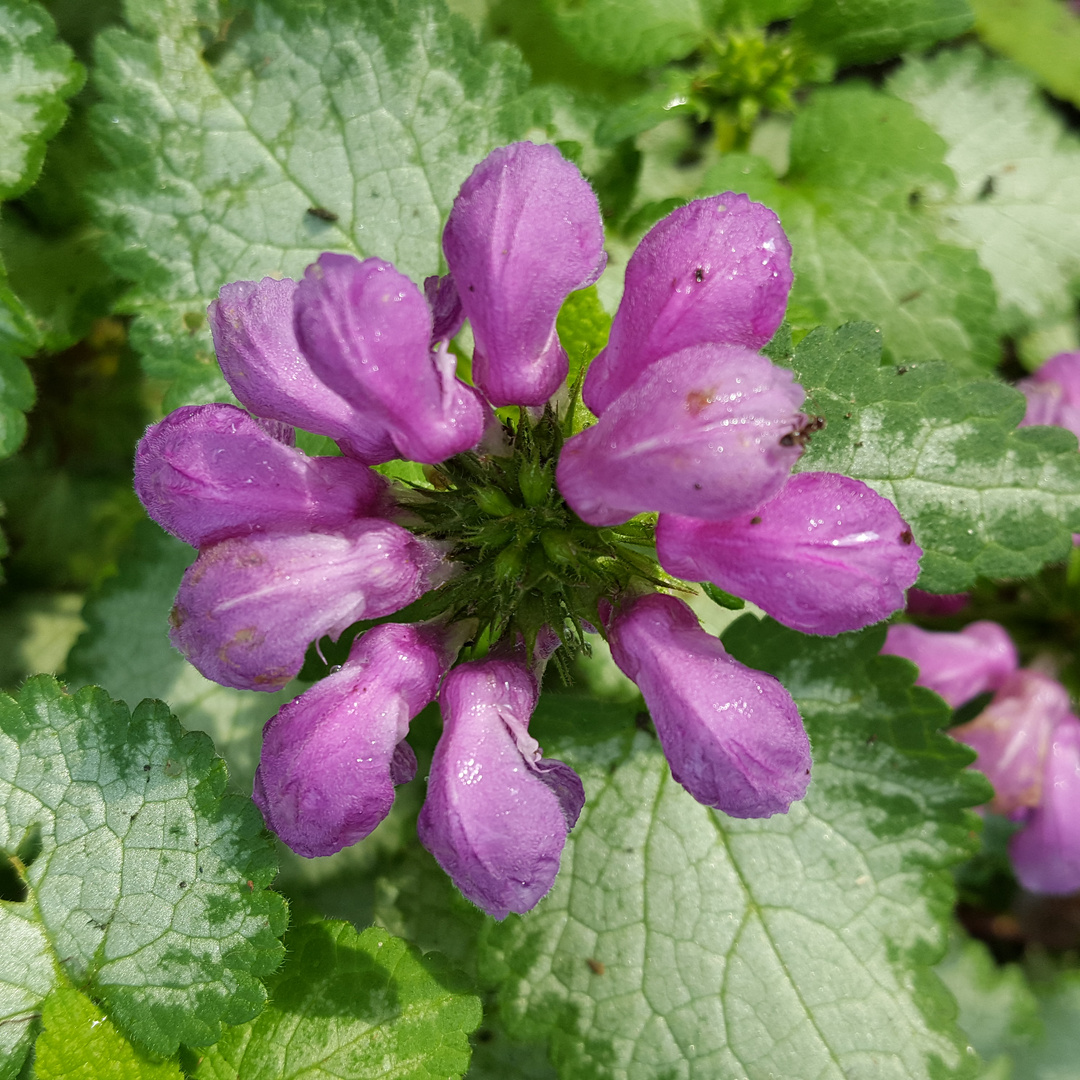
<point x="1053" y="393"/>
<point x="1027" y="742"/>
<point x="527" y="534"/>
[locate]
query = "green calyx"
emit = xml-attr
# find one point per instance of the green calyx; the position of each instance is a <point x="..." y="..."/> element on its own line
<point x="525" y="559"/>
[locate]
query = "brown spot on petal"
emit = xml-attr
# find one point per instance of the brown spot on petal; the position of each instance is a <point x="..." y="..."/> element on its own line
<point x="697" y="400"/>
<point x="755" y="520"/>
<point x="906" y="537"/>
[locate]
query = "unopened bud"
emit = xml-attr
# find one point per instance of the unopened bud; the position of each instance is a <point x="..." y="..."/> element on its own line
<point x="559" y="546"/>
<point x="535" y="481"/>
<point x="508" y="565"/>
<point x="494" y="502"/>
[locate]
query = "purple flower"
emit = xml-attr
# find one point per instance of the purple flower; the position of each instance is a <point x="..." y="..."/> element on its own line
<point x="702" y="431"/>
<point x="496" y="814"/>
<point x="332" y="756"/>
<point x="716" y="271"/>
<point x="525" y="231"/>
<point x="249" y="606"/>
<point x="1053" y="393"/>
<point x="209" y="472"/>
<point x="824" y="555"/>
<point x="1046" y="851"/>
<point x="733" y="736"/>
<point x="1011" y="737"/>
<point x="925" y="603"/>
<point x="957" y="666"/>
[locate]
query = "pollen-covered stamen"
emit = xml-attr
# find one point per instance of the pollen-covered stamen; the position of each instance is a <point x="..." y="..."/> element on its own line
<point x="525" y="559"/>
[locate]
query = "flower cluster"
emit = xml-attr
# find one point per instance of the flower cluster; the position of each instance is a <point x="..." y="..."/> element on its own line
<point x="532" y="529"/>
<point x="1027" y="741"/>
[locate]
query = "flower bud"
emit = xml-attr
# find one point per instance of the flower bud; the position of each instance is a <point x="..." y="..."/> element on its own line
<point x="332" y="756"/>
<point x="956" y="666"/>
<point x="1046" y="851"/>
<point x="824" y="555"/>
<point x="535" y="481"/>
<point x="252" y="324"/>
<point x="1012" y="735"/>
<point x="496" y="814"/>
<point x="209" y="472"/>
<point x="493" y="501"/>
<point x="733" y="736"/>
<point x="366" y="331"/>
<point x="248" y="607"/>
<point x="717" y="271"/>
<point x="524" y="232"/>
<point x="704" y="433"/>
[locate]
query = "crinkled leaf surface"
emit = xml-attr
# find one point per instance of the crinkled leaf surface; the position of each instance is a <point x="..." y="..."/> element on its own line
<point x="352" y="1005"/>
<point x="1017" y="201"/>
<point x="37" y="73"/>
<point x="78" y="1042"/>
<point x="866" y="31"/>
<point x="1041" y="35"/>
<point x="150" y="888"/>
<point x="982" y="497"/>
<point x="126" y="648"/>
<point x="372" y="112"/>
<point x="852" y="203"/>
<point x="681" y="943"/>
<point x="629" y="35"/>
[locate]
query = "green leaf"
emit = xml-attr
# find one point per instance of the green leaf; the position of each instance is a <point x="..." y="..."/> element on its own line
<point x="1017" y="201"/>
<point x="998" y="1010"/>
<point x="628" y="36"/>
<point x="981" y="497"/>
<point x="866" y="31"/>
<point x="1053" y="1057"/>
<point x="348" y="1004"/>
<point x="78" y="1042"/>
<point x="18" y="338"/>
<point x="126" y="647"/>
<point x="375" y="112"/>
<point x="679" y="942"/>
<point x="1041" y="35"/>
<point x="37" y="73"/>
<point x="862" y="164"/>
<point x="150" y="886"/>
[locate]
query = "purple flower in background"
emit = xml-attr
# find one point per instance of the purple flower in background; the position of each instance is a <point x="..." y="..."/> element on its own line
<point x="924" y="603"/>
<point x="497" y="813"/>
<point x="1053" y="393"/>
<point x="520" y="536"/>
<point x="956" y="666"/>
<point x="332" y="756"/>
<point x="733" y="736"/>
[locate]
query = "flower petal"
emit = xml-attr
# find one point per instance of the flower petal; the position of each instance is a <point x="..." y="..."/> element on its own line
<point x="1046" y="852"/>
<point x="524" y="232"/>
<point x="824" y="555"/>
<point x="447" y="316"/>
<point x="496" y="814"/>
<point x="705" y="433"/>
<point x="248" y="607"/>
<point x="366" y="330"/>
<point x="332" y="756"/>
<point x="959" y="666"/>
<point x="1053" y="393"/>
<point x="1012" y="735"/>
<point x="209" y="472"/>
<point x="252" y="324"/>
<point x="733" y="736"/>
<point x="716" y="270"/>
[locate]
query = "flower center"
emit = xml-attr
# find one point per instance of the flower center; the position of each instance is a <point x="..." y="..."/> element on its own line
<point x="524" y="559"/>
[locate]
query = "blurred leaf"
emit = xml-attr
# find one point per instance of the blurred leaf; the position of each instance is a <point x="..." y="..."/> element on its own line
<point x="868" y="31"/>
<point x="981" y="497"/>
<point x="679" y="942"/>
<point x="78" y="1042"/>
<point x="1041" y="35"/>
<point x="1017" y="201"/>
<point x="222" y="137"/>
<point x="1054" y="1056"/>
<point x="862" y="165"/>
<point x="352" y="1005"/>
<point x="149" y="891"/>
<point x="126" y="647"/>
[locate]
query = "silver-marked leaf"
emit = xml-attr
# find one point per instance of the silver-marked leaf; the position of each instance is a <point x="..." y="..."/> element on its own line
<point x="344" y="127"/>
<point x="683" y="944"/>
<point x="151" y="883"/>
<point x="1018" y="200"/>
<point x="982" y="497"/>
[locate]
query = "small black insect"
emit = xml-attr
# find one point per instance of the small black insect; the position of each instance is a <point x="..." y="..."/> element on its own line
<point x="322" y="213"/>
<point x="802" y="436"/>
<point x="987" y="189"/>
<point x="699" y="274"/>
